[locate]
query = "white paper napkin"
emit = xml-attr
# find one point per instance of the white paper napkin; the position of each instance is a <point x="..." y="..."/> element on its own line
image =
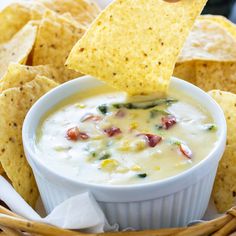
<point x="78" y="212"/>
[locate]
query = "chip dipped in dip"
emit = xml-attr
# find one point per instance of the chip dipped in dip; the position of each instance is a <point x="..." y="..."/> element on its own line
<point x="100" y="136"/>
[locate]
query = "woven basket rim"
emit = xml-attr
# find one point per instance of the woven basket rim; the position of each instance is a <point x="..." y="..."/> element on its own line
<point x="15" y="225"/>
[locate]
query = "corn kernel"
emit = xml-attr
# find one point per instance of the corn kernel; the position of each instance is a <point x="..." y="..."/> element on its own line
<point x="80" y="105"/>
<point x="139" y="145"/>
<point x="136" y="168"/>
<point x="109" y="164"/>
<point x="133" y="125"/>
<point x="157" y="168"/>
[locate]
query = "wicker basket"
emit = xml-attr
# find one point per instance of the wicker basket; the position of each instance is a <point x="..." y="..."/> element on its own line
<point x="15" y="225"/>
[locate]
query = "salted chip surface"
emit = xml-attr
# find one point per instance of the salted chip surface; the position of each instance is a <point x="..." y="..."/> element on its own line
<point x="186" y="71"/>
<point x="130" y="47"/>
<point x="18" y="74"/>
<point x="18" y="48"/>
<point x="15" y="103"/>
<point x="55" y="38"/>
<point x="223" y="21"/>
<point x="209" y="41"/>
<point x="216" y="75"/>
<point x="224" y="191"/>
<point x="82" y="10"/>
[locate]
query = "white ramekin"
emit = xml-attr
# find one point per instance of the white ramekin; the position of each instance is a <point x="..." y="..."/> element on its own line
<point x="171" y="202"/>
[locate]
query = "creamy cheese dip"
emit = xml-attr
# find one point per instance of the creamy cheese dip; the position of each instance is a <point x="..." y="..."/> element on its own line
<point x="99" y="136"/>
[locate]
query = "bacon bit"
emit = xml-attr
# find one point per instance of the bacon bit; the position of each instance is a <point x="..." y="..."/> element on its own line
<point x="74" y="134"/>
<point x="91" y="117"/>
<point x="185" y="150"/>
<point x="112" y="131"/>
<point x="121" y="113"/>
<point x="168" y="121"/>
<point x="152" y="139"/>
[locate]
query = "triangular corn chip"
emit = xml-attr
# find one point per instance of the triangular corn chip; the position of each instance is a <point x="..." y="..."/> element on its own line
<point x="18" y="48"/>
<point x="17" y="75"/>
<point x="15" y="16"/>
<point x="223" y="21"/>
<point x="56" y="37"/>
<point x="12" y="19"/>
<point x="186" y="71"/>
<point x="15" y="103"/>
<point x="209" y="41"/>
<point x="224" y="191"/>
<point x="81" y="10"/>
<point x="133" y="45"/>
<point x="216" y="75"/>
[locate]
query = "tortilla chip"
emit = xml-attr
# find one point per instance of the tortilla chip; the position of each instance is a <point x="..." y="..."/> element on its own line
<point x="223" y="21"/>
<point x="56" y="37"/>
<point x="17" y="75"/>
<point x="17" y="15"/>
<point x="216" y="75"/>
<point x="18" y="48"/>
<point x="12" y="19"/>
<point x="36" y="9"/>
<point x="15" y="103"/>
<point x="81" y="10"/>
<point x="130" y="46"/>
<point x="224" y="191"/>
<point x="186" y="71"/>
<point x="209" y="41"/>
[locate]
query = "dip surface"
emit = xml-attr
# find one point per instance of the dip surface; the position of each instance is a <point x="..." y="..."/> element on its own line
<point x="98" y="136"/>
